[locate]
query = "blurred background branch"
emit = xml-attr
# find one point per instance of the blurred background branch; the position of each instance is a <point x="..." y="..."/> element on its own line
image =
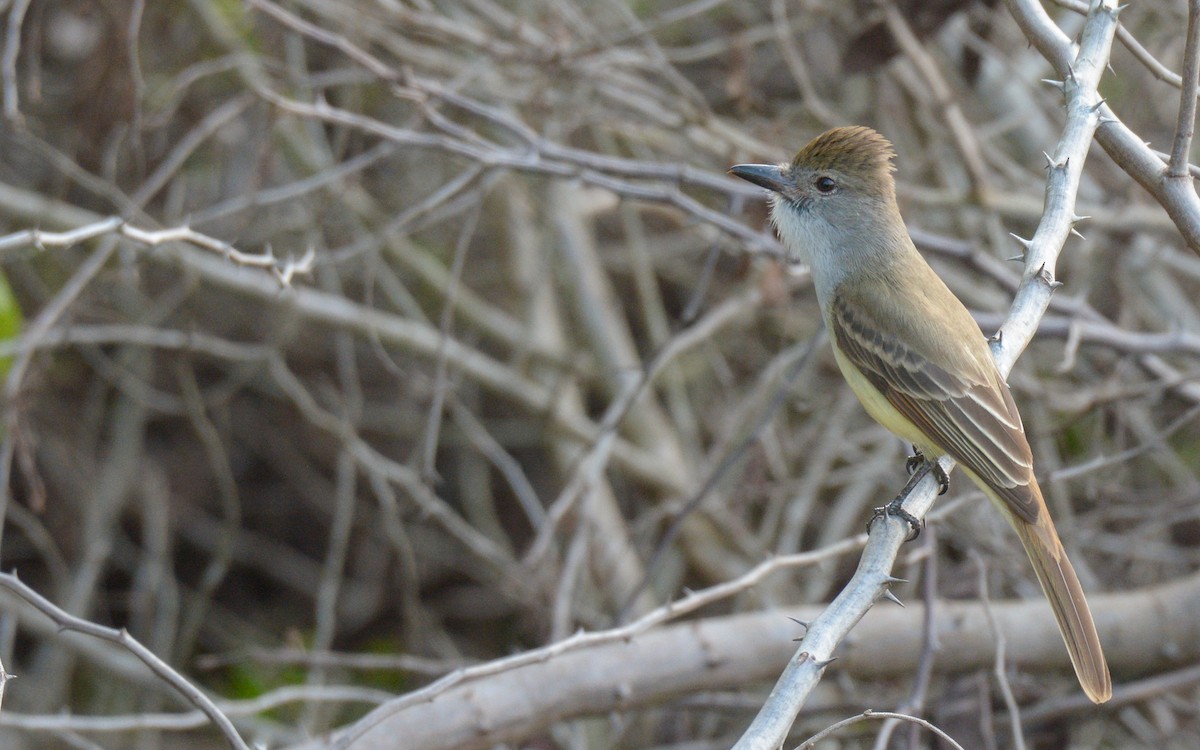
<point x="528" y="321"/>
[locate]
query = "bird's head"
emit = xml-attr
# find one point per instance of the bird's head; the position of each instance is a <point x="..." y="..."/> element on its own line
<point x="851" y="162"/>
<point x="836" y="201"/>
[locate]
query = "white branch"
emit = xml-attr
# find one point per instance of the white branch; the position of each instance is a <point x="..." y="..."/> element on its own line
<point x="283" y="270"/>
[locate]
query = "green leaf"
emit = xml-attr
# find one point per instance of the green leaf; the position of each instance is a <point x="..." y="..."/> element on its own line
<point x="11" y="320"/>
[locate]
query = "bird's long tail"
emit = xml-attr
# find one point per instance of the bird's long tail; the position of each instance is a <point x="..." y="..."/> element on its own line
<point x="1062" y="589"/>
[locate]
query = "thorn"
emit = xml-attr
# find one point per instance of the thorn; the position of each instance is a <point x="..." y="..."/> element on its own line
<point x="1051" y="163"/>
<point x="1045" y="276"/>
<point x="1056" y="84"/>
<point x="801" y="623"/>
<point x="1117" y="10"/>
<point x="1017" y="258"/>
<point x="890" y="580"/>
<point x="1076" y="218"/>
<point x="1075" y="232"/>
<point x="889" y="595"/>
<point x="1021" y="239"/>
<point x="1071" y="74"/>
<point x="1096" y="107"/>
<point x="998" y="336"/>
<point x="822" y="664"/>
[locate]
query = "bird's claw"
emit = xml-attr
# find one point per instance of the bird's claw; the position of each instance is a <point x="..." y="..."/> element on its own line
<point x="896" y="508"/>
<point x="939" y="474"/>
<point x="918" y="460"/>
<point x="913" y="462"/>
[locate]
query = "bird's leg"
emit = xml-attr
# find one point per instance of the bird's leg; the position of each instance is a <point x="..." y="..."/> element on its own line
<point x="918" y="466"/>
<point x="918" y="461"/>
<point x="896" y="506"/>
<point x="913" y="462"/>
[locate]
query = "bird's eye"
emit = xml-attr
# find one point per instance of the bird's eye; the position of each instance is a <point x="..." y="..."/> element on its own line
<point x="825" y="184"/>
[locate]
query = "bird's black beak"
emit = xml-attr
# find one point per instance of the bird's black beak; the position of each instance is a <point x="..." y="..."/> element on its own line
<point x="769" y="176"/>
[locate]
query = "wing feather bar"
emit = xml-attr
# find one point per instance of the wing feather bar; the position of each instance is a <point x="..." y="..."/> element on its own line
<point x="973" y="419"/>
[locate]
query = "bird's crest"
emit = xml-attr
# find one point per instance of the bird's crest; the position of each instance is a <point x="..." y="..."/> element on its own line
<point x="857" y="150"/>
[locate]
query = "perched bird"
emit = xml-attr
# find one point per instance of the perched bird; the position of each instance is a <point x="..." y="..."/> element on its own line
<point x="912" y="353"/>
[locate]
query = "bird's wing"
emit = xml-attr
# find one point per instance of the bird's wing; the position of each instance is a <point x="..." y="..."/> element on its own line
<point x="963" y="408"/>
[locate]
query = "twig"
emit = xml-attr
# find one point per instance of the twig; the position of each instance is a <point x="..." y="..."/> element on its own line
<point x="1125" y="694"/>
<point x="796" y="65"/>
<point x="999" y="668"/>
<point x="8" y="63"/>
<point x="915" y="703"/>
<point x="441" y="384"/>
<point x="122" y="638"/>
<point x="1126" y="37"/>
<point x="1126" y="148"/>
<point x="811" y="742"/>
<point x="283" y="270"/>
<point x="244" y="709"/>
<point x="1181" y="149"/>
<point x="50" y="314"/>
<point x="4" y="678"/>
<point x="961" y="131"/>
<point x="690" y="602"/>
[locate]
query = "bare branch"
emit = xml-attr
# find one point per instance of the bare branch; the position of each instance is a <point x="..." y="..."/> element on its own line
<point x="1129" y="151"/>
<point x="164" y="671"/>
<point x="1177" y="167"/>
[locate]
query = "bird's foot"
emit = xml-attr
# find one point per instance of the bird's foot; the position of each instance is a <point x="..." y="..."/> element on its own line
<point x="913" y="462"/>
<point x="917" y="462"/>
<point x="896" y="508"/>
<point x="918" y="466"/>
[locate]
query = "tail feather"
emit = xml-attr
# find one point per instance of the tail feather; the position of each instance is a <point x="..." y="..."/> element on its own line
<point x="1062" y="589"/>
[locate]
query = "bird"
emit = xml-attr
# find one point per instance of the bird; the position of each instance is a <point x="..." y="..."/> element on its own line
<point x="914" y="356"/>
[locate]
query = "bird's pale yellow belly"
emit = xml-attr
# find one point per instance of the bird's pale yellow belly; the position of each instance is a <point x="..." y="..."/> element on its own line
<point x="881" y="410"/>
